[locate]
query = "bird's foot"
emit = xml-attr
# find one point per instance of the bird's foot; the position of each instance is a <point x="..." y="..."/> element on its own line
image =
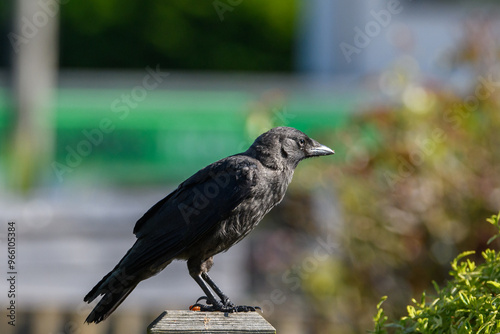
<point x="245" y="308"/>
<point x="231" y="308"/>
<point x="226" y="306"/>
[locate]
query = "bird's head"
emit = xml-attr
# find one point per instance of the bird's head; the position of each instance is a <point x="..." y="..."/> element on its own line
<point x="285" y="147"/>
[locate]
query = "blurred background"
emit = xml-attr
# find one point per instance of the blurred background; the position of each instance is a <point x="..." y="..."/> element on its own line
<point x="106" y="106"/>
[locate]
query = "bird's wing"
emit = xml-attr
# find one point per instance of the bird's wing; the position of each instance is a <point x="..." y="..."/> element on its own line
<point x="197" y="205"/>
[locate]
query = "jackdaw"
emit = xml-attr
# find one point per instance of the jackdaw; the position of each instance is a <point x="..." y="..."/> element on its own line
<point x="207" y="214"/>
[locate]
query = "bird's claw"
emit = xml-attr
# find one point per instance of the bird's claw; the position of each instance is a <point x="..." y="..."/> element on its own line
<point x="202" y="298"/>
<point x="227" y="306"/>
<point x="246" y="308"/>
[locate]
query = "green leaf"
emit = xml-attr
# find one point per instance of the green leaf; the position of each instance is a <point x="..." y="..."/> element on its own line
<point x="494" y="284"/>
<point x="493" y="238"/>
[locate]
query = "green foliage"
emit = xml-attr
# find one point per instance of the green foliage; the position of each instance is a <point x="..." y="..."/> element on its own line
<point x="189" y="35"/>
<point x="494" y="220"/>
<point x="469" y="303"/>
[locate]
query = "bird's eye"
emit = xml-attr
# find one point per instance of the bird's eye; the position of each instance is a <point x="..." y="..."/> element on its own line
<point x="302" y="142"/>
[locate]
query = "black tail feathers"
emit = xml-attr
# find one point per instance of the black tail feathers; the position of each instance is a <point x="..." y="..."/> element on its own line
<point x="115" y="287"/>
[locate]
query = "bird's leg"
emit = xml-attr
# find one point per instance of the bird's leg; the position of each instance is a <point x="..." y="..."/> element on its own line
<point x="224" y="299"/>
<point x="197" y="266"/>
<point x="198" y="270"/>
<point x="228" y="305"/>
<point x="210" y="297"/>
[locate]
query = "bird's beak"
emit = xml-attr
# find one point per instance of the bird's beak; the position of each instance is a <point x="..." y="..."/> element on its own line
<point x="319" y="150"/>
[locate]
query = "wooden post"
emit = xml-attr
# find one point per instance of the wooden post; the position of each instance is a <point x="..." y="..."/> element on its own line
<point x="194" y="322"/>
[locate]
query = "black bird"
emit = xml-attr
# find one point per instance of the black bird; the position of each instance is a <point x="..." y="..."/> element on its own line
<point x="207" y="214"/>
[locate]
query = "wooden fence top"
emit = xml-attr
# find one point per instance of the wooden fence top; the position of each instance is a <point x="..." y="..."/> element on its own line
<point x="195" y="322"/>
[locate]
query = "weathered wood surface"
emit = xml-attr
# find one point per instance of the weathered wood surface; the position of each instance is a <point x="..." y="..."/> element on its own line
<point x="194" y="322"/>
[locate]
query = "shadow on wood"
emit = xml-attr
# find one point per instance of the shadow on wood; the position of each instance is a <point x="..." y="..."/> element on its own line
<point x="194" y="322"/>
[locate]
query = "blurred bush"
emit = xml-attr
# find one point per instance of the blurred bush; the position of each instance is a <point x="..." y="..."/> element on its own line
<point x="419" y="176"/>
